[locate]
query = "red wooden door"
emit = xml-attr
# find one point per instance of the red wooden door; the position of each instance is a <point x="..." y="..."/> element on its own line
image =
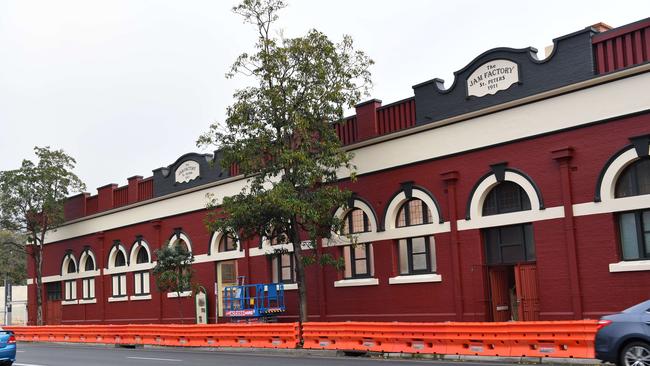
<point x="527" y="294"/>
<point x="499" y="293"/>
<point x="53" y="312"/>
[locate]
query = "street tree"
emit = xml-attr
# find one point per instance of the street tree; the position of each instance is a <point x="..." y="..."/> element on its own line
<point x="280" y="133"/>
<point x="13" y="265"/>
<point x="31" y="203"/>
<point x="173" y="271"/>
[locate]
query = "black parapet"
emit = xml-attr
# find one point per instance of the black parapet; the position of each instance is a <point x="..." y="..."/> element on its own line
<point x="189" y="171"/>
<point x="571" y="61"/>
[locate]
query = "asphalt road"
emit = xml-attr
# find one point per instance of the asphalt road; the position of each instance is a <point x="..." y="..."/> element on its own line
<point x="43" y="354"/>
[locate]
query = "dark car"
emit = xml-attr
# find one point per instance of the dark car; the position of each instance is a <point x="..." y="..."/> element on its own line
<point x="624" y="338"/>
<point x="7" y="347"/>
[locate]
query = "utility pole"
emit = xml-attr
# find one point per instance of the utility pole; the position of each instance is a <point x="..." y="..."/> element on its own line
<point x="7" y="283"/>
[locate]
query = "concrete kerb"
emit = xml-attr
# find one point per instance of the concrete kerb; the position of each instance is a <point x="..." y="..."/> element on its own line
<point x="298" y="352"/>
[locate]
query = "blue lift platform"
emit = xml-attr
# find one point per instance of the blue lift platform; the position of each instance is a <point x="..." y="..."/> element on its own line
<point x="260" y="302"/>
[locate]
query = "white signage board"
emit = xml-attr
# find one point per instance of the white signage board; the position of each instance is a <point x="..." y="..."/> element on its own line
<point x="491" y="77"/>
<point x="187" y="171"/>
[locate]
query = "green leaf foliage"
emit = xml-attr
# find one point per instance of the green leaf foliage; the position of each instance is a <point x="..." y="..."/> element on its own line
<point x="12" y="257"/>
<point x="280" y="133"/>
<point x="32" y="201"/>
<point x="173" y="271"/>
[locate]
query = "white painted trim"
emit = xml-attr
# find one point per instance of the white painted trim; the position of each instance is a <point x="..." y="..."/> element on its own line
<point x="400" y="199"/>
<point x="340" y="213"/>
<point x="69" y="302"/>
<point x="117" y="270"/>
<point x="222" y="256"/>
<point x="511" y="218"/>
<point x="630" y="266"/>
<point x="353" y="282"/>
<point x="268" y="249"/>
<point x="140" y="297"/>
<point x="141" y="267"/>
<point x="111" y="258"/>
<point x="134" y="251"/>
<point x="484" y="188"/>
<point x="118" y="299"/>
<point x="171" y="295"/>
<point x="421" y="278"/>
<point x="397" y="233"/>
<point x="214" y="244"/>
<point x="290" y="286"/>
<point x="30" y="281"/>
<point x="82" y="261"/>
<point x="70" y="276"/>
<point x="183" y="237"/>
<point x="66" y="261"/>
<point x="88" y="301"/>
<point x="608" y="186"/>
<point x="616" y="98"/>
<point x="613" y="205"/>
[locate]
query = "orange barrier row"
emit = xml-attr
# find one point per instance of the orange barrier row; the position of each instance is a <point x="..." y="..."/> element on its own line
<point x="276" y="335"/>
<point x="520" y="339"/>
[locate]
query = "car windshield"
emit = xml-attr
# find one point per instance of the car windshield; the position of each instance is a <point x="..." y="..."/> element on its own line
<point x="644" y="306"/>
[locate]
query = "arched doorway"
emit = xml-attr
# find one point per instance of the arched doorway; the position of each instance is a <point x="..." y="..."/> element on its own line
<point x="510" y="257"/>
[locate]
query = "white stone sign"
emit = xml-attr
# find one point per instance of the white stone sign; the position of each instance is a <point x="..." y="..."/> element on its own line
<point x="491" y="77"/>
<point x="187" y="171"/>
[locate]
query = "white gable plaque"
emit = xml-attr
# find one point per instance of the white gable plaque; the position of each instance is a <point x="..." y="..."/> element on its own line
<point x="187" y="171"/>
<point x="491" y="77"/>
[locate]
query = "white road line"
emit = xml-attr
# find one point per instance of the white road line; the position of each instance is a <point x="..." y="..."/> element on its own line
<point x="26" y="364"/>
<point x="20" y="351"/>
<point x="154" y="359"/>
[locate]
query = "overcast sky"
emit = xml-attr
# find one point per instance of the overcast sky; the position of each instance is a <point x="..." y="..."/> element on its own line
<point x="127" y="86"/>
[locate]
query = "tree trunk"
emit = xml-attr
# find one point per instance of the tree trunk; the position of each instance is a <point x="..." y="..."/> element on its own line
<point x="38" y="259"/>
<point x="180" y="306"/>
<point x="300" y="274"/>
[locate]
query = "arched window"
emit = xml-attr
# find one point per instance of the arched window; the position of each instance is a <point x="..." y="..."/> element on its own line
<point x="227" y="243"/>
<point x="120" y="260"/>
<point x="142" y="256"/>
<point x="181" y="243"/>
<point x="356" y="221"/>
<point x="634" y="180"/>
<point x="506" y="197"/>
<point x="508" y="244"/>
<point x="88" y="283"/>
<point x="357" y="258"/>
<point x="416" y="255"/>
<point x="90" y="264"/>
<point x="70" y="293"/>
<point x="72" y="268"/>
<point x="413" y="212"/>
<point x="634" y="226"/>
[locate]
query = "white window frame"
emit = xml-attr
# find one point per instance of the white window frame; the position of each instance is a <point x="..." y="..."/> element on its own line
<point x="141" y="283"/>
<point x="88" y="288"/>
<point x="70" y="290"/>
<point x="118" y="282"/>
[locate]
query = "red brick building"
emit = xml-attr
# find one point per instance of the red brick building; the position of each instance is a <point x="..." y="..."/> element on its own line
<point x="521" y="192"/>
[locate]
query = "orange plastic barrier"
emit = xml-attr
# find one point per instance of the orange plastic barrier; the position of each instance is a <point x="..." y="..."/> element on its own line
<point x="519" y="339"/>
<point x="527" y="339"/>
<point x="278" y="335"/>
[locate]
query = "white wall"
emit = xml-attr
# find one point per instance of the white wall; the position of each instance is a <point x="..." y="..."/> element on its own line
<point x="19" y="305"/>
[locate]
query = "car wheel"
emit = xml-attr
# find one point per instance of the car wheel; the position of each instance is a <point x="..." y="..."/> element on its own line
<point x="635" y="354"/>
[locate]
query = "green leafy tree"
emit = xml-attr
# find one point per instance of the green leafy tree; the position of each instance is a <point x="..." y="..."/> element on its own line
<point x="12" y="257"/>
<point x="31" y="203"/>
<point x="173" y="271"/>
<point x="280" y="133"/>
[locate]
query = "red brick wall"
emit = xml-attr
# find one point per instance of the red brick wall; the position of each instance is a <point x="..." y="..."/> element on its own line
<point x="596" y="237"/>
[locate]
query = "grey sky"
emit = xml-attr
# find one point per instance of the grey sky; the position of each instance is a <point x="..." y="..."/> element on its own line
<point x="126" y="86"/>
